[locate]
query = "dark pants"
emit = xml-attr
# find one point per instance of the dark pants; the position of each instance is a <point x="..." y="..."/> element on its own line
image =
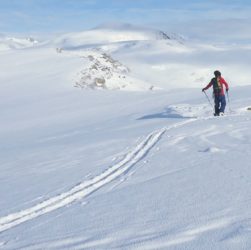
<point x="219" y="104"/>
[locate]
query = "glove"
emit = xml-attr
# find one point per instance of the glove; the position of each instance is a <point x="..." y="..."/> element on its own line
<point x="227" y="90"/>
<point x="203" y="89"/>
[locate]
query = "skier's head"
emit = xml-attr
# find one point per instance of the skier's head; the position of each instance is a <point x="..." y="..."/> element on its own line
<point x="217" y="73"/>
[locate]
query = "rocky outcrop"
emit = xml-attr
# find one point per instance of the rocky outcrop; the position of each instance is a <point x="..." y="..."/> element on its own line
<point x="101" y="72"/>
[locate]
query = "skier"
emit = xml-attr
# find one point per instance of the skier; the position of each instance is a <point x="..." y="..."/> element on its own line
<point x="218" y="92"/>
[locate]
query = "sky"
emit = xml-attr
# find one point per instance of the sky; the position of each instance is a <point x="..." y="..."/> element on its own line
<point x="213" y="19"/>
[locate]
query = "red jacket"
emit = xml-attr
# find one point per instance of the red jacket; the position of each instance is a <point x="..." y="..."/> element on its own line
<point x="222" y="82"/>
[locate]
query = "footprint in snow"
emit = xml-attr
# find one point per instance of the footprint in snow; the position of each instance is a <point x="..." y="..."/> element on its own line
<point x="211" y="150"/>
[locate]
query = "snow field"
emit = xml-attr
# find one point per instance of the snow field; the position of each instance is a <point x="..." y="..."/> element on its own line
<point x="85" y="169"/>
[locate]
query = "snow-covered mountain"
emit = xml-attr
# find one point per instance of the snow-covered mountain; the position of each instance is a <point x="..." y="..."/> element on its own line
<point x="98" y="45"/>
<point x="109" y="34"/>
<point x="8" y="43"/>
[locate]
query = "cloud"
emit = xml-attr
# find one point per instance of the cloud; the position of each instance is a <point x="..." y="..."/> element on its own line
<point x="227" y="30"/>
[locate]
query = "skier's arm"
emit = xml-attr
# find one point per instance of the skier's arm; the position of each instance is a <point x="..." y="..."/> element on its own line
<point x="225" y="83"/>
<point x="208" y="86"/>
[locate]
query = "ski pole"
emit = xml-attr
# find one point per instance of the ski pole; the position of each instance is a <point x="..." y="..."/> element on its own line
<point x="230" y="110"/>
<point x="208" y="99"/>
<point x="228" y="97"/>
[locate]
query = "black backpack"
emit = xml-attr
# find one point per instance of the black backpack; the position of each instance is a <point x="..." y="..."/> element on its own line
<point x="216" y="86"/>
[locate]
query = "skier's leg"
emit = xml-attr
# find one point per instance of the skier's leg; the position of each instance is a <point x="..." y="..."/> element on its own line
<point x="222" y="103"/>
<point x="216" y="105"/>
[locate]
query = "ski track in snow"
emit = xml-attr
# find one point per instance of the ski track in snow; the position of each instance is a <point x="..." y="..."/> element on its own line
<point x="85" y="188"/>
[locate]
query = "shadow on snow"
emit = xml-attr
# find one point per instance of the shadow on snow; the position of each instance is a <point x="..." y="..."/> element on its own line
<point x="169" y="113"/>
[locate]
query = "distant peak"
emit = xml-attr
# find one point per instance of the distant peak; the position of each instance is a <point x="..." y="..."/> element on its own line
<point x="127" y="27"/>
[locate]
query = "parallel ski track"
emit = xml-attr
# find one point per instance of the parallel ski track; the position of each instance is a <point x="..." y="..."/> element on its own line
<point x="85" y="188"/>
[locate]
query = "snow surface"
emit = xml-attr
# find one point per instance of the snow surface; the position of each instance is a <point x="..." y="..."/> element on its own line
<point x="84" y="169"/>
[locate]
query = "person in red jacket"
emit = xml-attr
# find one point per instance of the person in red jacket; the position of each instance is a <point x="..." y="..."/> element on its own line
<point x="219" y="97"/>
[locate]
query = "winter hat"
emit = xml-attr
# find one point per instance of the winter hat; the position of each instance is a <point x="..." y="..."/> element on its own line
<point x="217" y="73"/>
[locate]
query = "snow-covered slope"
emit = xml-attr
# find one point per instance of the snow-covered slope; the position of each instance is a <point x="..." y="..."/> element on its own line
<point x="83" y="169"/>
<point x="103" y="72"/>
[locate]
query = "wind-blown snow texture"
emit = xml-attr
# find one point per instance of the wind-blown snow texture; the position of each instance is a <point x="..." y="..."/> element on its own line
<point x="84" y="169"/>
